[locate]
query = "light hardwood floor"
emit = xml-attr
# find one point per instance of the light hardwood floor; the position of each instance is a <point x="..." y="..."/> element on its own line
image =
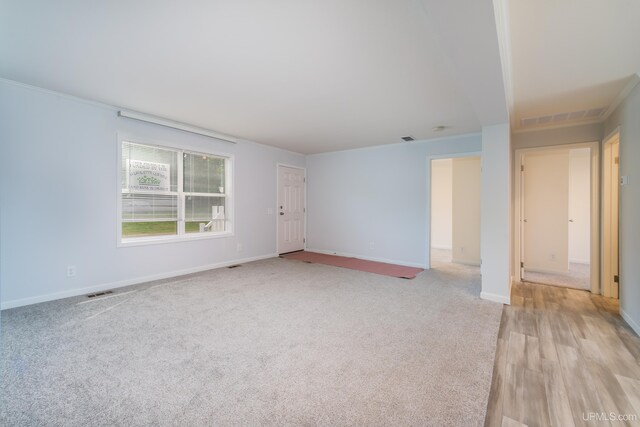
<point x="564" y="356"/>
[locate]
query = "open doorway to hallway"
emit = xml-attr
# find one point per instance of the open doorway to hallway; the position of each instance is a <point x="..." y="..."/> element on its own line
<point x="555" y="207"/>
<point x="455" y="211"/>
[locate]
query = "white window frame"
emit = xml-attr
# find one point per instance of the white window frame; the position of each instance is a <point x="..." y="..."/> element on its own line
<point x="181" y="235"/>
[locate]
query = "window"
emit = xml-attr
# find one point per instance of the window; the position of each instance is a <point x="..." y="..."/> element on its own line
<point x="171" y="193"/>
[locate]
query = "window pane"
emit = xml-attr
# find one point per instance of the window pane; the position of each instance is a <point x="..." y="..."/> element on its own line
<point x="149" y="228"/>
<point x="204" y="174"/>
<point x="155" y="207"/>
<point x="204" y="214"/>
<point x="137" y="158"/>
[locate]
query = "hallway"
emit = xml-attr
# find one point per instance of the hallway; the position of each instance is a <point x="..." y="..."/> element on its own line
<point x="563" y="358"/>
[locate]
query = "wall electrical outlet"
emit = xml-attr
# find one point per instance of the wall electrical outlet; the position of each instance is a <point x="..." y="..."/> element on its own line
<point x="269" y="211"/>
<point x="372" y="244"/>
<point x="239" y="247"/>
<point x="71" y="271"/>
<point x="552" y="257"/>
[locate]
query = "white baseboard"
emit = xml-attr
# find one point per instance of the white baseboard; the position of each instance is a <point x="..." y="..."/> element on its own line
<point x="368" y="258"/>
<point x="545" y="271"/>
<point x="465" y="262"/>
<point x="579" y="261"/>
<point x="634" y="325"/>
<point x="121" y="283"/>
<point x="495" y="298"/>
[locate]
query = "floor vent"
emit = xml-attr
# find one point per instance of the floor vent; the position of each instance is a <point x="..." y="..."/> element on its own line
<point x="234" y="266"/>
<point x="99" y="294"/>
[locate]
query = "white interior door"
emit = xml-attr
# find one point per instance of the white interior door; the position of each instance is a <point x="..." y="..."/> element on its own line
<point x="291" y="209"/>
<point x="580" y="206"/>
<point x="546" y="211"/>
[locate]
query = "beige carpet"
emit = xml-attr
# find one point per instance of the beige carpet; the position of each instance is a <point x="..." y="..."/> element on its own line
<point x="273" y="342"/>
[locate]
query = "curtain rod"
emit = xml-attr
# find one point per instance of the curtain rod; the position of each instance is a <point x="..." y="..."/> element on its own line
<point x="175" y="125"/>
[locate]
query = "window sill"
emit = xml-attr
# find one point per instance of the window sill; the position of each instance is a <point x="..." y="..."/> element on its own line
<point x="142" y="241"/>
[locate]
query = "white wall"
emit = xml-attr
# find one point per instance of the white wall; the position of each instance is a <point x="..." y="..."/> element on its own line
<point x="58" y="167"/>
<point x="495" y="212"/>
<point x="580" y="205"/>
<point x="626" y="116"/>
<point x="373" y="202"/>
<point x="441" y="203"/>
<point x="466" y="210"/>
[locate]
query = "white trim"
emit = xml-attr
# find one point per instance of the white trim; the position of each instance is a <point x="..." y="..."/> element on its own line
<point x="579" y="261"/>
<point x="501" y="16"/>
<point x="544" y="270"/>
<point x="626" y="90"/>
<point x="594" y="207"/>
<point x="632" y="323"/>
<point x="495" y="298"/>
<point x="429" y="176"/>
<point x="605" y="287"/>
<point x="121" y="283"/>
<point x="134" y="115"/>
<point x="304" y="208"/>
<point x="367" y="258"/>
<point x="615" y="132"/>
<point x="170" y="238"/>
<point x="464" y="262"/>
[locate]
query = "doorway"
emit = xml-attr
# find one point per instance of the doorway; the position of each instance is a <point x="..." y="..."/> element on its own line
<point x="455" y="211"/>
<point x="291" y="209"/>
<point x="556" y="215"/>
<point x="610" y="216"/>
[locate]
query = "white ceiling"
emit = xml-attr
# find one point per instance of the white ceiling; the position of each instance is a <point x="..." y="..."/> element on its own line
<point x="571" y="56"/>
<point x="308" y="76"/>
<point x="314" y="76"/>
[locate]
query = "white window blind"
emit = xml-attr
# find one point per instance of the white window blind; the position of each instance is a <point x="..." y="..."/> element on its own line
<point x="169" y="192"/>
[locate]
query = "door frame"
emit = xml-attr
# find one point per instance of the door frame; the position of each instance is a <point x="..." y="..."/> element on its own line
<point x="276" y="211"/>
<point x="607" y="142"/>
<point x="594" y="204"/>
<point x="429" y="195"/>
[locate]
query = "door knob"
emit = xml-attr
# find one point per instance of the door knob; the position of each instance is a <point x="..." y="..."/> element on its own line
<point x="281" y="213"/>
<point x="570" y="220"/>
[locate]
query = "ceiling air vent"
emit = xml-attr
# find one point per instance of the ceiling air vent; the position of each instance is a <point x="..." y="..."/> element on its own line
<point x="596" y="112"/>
<point x="560" y="117"/>
<point x="563" y="118"/>
<point x="577" y="115"/>
<point x="407" y="138"/>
